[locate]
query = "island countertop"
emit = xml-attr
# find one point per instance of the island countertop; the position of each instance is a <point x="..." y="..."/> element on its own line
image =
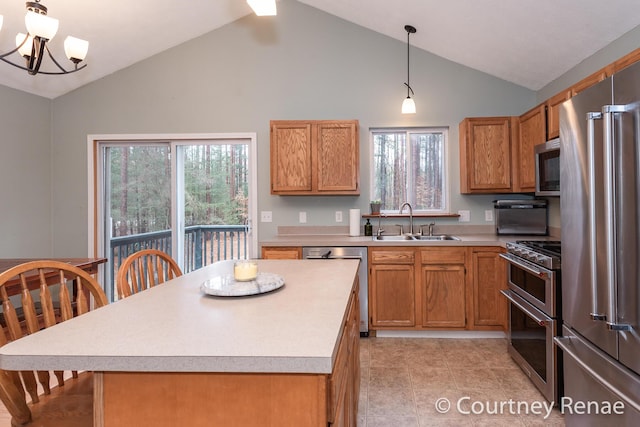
<point x="175" y="327"/>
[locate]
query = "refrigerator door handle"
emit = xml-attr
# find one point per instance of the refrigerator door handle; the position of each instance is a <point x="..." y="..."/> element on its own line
<point x="608" y="112"/>
<point x="591" y="141"/>
<point x="566" y="344"/>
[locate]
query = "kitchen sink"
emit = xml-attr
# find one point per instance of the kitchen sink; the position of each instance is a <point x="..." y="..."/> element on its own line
<point x="405" y="237"/>
<point x="396" y="237"/>
<point x="437" y="237"/>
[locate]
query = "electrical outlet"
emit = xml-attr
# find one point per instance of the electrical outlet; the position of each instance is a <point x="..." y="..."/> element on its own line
<point x="338" y="216"/>
<point x="302" y="217"/>
<point x="266" y="216"/>
<point x="488" y="215"/>
<point x="465" y="216"/>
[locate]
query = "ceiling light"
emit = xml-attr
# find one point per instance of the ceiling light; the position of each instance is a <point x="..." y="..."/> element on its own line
<point x="263" y="7"/>
<point x="408" y="105"/>
<point x="33" y="45"/>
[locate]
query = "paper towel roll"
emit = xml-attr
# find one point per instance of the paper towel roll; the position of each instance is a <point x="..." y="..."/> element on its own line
<point x="354" y="222"/>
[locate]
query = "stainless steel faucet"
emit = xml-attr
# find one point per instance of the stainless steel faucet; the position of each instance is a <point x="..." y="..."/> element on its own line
<point x="407" y="204"/>
<point x="380" y="229"/>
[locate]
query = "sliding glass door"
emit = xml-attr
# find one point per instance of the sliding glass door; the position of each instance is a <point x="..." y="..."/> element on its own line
<point x="191" y="198"/>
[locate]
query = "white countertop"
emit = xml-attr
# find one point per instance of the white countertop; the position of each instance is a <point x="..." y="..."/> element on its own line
<point x="174" y="327"/>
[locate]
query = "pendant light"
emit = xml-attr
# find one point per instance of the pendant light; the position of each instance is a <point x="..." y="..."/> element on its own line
<point x="408" y="105"/>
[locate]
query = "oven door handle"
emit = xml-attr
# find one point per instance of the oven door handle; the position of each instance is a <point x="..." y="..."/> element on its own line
<point x="513" y="299"/>
<point x="529" y="268"/>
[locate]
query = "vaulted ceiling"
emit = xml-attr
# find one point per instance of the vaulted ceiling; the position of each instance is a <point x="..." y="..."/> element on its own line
<point x="527" y="42"/>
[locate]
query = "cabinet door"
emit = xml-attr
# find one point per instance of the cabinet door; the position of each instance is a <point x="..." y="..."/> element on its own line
<point x="532" y="132"/>
<point x="281" y="252"/>
<point x="591" y="80"/>
<point x="553" y="113"/>
<point x="443" y="296"/>
<point x="291" y="157"/>
<point x="392" y="295"/>
<point x="485" y="155"/>
<point x="489" y="277"/>
<point x="338" y="156"/>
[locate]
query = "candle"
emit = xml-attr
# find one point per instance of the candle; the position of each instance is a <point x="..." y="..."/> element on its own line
<point x="244" y="271"/>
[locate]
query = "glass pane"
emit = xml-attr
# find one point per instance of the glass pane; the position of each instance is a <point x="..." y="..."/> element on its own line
<point x="427" y="170"/>
<point x="216" y="191"/>
<point x="389" y="169"/>
<point x="138" y="193"/>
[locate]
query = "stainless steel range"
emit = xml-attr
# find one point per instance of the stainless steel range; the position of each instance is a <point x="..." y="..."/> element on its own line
<point x="535" y="312"/>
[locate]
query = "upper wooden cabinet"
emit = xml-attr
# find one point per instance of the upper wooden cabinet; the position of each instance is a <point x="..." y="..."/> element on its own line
<point x="591" y="80"/>
<point x="532" y="131"/>
<point x="315" y="157"/>
<point x="485" y="154"/>
<point x="553" y="113"/>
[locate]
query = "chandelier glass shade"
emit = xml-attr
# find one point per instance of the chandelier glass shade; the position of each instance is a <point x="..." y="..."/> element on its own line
<point x="32" y="46"/>
<point x="408" y="105"/>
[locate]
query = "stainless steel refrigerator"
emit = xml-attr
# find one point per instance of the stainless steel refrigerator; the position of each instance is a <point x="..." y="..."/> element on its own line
<point x="600" y="214"/>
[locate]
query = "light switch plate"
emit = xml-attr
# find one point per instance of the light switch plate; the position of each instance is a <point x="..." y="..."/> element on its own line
<point x="488" y="215"/>
<point x="302" y="217"/>
<point x="266" y="216"/>
<point x="338" y="216"/>
<point x="465" y="216"/>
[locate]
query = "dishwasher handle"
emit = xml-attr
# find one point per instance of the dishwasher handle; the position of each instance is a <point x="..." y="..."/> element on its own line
<point x="333" y="257"/>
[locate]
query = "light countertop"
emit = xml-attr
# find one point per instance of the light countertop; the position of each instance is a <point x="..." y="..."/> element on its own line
<point x="467" y="239"/>
<point x="174" y="327"/>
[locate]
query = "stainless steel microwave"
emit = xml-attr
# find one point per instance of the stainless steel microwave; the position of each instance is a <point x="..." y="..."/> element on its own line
<point x="548" y="168"/>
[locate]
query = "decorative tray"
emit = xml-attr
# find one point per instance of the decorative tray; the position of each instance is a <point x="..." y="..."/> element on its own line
<point x="226" y="286"/>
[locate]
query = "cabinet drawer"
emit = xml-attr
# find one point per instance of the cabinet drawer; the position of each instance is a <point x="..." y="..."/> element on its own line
<point x="392" y="257"/>
<point x="442" y="255"/>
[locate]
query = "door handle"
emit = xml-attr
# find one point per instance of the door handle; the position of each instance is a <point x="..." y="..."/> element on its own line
<point x="595" y="313"/>
<point x="608" y="112"/>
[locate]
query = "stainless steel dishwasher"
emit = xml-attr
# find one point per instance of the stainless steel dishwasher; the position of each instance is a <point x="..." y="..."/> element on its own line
<point x="347" y="252"/>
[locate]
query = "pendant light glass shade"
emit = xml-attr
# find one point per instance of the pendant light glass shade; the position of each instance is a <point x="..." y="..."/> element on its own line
<point x="408" y="106"/>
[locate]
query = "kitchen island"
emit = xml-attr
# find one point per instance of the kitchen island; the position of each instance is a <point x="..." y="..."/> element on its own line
<point x="174" y="356"/>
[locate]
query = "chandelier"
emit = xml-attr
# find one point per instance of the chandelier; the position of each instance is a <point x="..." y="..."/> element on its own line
<point x="33" y="45"/>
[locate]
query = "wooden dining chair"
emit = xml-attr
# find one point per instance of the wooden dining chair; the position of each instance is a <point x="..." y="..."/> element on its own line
<point x="145" y="269"/>
<point x="46" y="293"/>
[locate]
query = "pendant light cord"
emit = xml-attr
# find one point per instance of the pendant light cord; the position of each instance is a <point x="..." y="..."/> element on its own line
<point x="410" y="29"/>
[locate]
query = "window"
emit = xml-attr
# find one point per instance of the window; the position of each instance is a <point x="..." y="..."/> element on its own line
<point x="409" y="165"/>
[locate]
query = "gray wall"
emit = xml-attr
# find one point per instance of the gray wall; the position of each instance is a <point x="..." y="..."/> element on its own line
<point x="303" y="64"/>
<point x="25" y="175"/>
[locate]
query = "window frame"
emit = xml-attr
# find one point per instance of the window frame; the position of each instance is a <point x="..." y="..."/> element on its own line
<point x="444" y="130"/>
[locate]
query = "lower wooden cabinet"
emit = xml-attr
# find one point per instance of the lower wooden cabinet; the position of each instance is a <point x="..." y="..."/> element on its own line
<point x="281" y="252"/>
<point x="489" y="276"/>
<point x="392" y="287"/>
<point x="344" y="382"/>
<point x="444" y="288"/>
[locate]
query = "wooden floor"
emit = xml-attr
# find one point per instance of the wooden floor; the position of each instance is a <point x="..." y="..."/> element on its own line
<point x="403" y="378"/>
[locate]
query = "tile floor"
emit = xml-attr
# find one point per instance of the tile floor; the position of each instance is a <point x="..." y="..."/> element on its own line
<point x="404" y="378"/>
